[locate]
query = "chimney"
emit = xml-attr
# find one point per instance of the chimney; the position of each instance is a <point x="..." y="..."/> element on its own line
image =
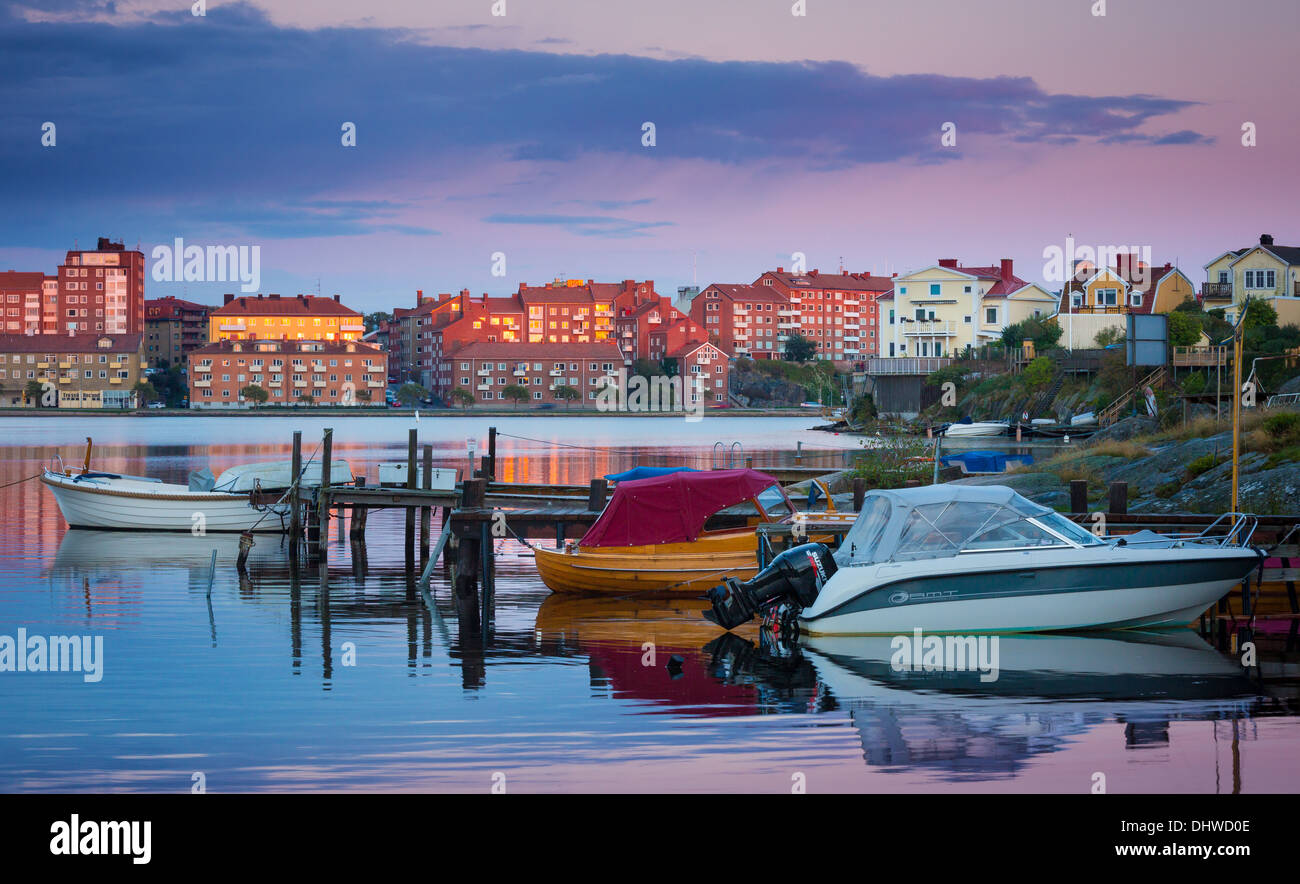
<point x="1006" y="268"/>
<point x="950" y="263"/>
<point x="228" y="299"/>
<point x="419" y="297"/>
<point x="780" y="270"/>
<point x="1266" y="239"/>
<point x="336" y="298"/>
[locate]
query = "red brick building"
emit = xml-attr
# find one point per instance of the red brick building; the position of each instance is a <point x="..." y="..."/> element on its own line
<point x="173" y="328"/>
<point x="836" y="311"/>
<point x="23" y="302"/>
<point x="634" y="324"/>
<point x="486" y="369"/>
<point x="747" y="320"/>
<point x="329" y="372"/>
<point x="709" y="365"/>
<point x="99" y="291"/>
<point x="668" y="339"/>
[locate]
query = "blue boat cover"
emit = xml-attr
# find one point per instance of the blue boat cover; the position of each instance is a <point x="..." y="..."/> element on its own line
<point x="985" y="461"/>
<point x="646" y="473"/>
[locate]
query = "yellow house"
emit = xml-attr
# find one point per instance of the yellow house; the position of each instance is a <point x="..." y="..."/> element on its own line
<point x="1266" y="272"/>
<point x="945" y="308"/>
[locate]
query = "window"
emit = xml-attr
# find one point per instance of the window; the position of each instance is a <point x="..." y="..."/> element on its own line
<point x="991" y="316"/>
<point x="934" y="288"/>
<point x="1107" y="297"/>
<point x="1135" y="299"/>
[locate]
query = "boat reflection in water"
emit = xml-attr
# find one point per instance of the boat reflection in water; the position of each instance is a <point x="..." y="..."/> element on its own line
<point x="1048" y="690"/>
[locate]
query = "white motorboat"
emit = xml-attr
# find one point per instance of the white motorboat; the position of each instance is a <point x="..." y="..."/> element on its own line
<point x="116" y="501"/>
<point x="982" y="559"/>
<point x="978" y="428"/>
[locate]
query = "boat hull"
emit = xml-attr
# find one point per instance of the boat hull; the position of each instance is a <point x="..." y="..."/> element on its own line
<point x="668" y="569"/>
<point x="976" y="429"/>
<point x="1158" y="589"/>
<point x="126" y="505"/>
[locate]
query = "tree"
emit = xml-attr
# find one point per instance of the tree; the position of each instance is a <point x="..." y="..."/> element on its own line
<point x="376" y="319"/>
<point x="567" y="394"/>
<point x="1038" y="374"/>
<point x="35" y="392"/>
<point x="1184" y="329"/>
<point x="145" y="391"/>
<point x="307" y="399"/>
<point x="1108" y="336"/>
<point x="255" y="394"/>
<point x="515" y="394"/>
<point x="1259" y="314"/>
<point x="364" y="395"/>
<point x="1045" y="333"/>
<point x="799" y="349"/>
<point x="462" y="397"/>
<point x="648" y="368"/>
<point x="411" y="394"/>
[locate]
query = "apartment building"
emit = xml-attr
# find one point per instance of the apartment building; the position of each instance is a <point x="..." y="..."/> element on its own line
<point x="173" y="328"/>
<point x="295" y="318"/>
<point x="486" y="369"/>
<point x="291" y="371"/>
<point x="752" y="321"/>
<point x="839" y="312"/>
<point x="74" y="371"/>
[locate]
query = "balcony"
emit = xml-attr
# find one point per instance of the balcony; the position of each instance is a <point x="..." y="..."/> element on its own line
<point x="1216" y="291"/>
<point x="275" y="385"/>
<point x="929" y="328"/>
<point x="520" y="373"/>
<point x="42" y="365"/>
<point x="203" y="383"/>
<point x="318" y="383"/>
<point x="299" y="384"/>
<point x="232" y="327"/>
<point x="556" y="374"/>
<point x="376" y="384"/>
<point x="352" y="327"/>
<point x="484" y="372"/>
<point x="1186" y="356"/>
<point x="484" y="387"/>
<point x="115" y="380"/>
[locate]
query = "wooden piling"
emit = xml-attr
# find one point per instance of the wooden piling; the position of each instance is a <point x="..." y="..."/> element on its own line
<point x="1118" y="498"/>
<point x="323" y="507"/>
<point x="472" y="493"/>
<point x="357" y="530"/>
<point x="492" y="454"/>
<point x="596" y="497"/>
<point x="295" y="497"/>
<point x="749" y="463"/>
<point x="426" y="513"/>
<point x="1078" y="496"/>
<point x="859" y="493"/>
<point x="411" y="443"/>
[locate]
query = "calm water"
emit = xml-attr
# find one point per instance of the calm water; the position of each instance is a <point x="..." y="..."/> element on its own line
<point x="253" y="685"/>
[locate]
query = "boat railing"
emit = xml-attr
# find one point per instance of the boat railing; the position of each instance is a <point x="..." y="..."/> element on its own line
<point x="58" y="458"/>
<point x="1239" y="531"/>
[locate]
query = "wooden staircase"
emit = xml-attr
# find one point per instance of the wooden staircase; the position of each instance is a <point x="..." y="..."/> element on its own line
<point x="1111" y="413"/>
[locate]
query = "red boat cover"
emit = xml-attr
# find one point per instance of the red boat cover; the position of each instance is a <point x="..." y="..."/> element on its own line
<point x="671" y="508"/>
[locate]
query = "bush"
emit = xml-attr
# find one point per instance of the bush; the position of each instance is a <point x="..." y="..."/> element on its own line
<point x="889" y="461"/>
<point x="1194" y="383"/>
<point x="1282" y="429"/>
<point x="1202" y="464"/>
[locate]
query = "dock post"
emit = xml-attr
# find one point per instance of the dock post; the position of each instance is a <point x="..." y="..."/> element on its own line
<point x="1078" y="496"/>
<point x="472" y="491"/>
<point x="357" y="530"/>
<point x="596" y="497"/>
<point x="749" y="463"/>
<point x="859" y="493"/>
<point x="295" y="498"/>
<point x="411" y="443"/>
<point x="487" y="586"/>
<point x="323" y="509"/>
<point x="798" y="453"/>
<point x="483" y="467"/>
<point x="1118" y="499"/>
<point x="492" y="454"/>
<point x="426" y="513"/>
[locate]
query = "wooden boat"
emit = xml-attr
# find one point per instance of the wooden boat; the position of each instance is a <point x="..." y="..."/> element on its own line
<point x="677" y="534"/>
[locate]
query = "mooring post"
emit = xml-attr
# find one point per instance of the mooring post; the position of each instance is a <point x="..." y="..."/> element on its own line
<point x="487" y="565"/>
<point x="357" y="530"/>
<point x="426" y="512"/>
<point x="484" y="468"/>
<point x="492" y="454"/>
<point x="1118" y="498"/>
<point x="749" y="463"/>
<point x="596" y="497"/>
<point x="1078" y="496"/>
<point x="327" y="450"/>
<point x="411" y="444"/>
<point x="472" y="492"/>
<point x="859" y="493"/>
<point x="798" y="453"/>
<point x="295" y="497"/>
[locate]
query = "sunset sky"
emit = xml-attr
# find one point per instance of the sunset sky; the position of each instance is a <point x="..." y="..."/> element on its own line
<point x="522" y="134"/>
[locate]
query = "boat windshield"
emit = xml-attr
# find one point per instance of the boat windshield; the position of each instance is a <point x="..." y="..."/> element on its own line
<point x="775" y="503"/>
<point x="943" y="521"/>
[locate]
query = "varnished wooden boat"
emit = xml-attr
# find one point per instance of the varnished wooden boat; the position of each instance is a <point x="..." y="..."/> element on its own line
<point x="688" y="568"/>
<point x="677" y="534"/>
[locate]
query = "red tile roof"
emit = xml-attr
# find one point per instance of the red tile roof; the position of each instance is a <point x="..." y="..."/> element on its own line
<point x="328" y="348"/>
<point x="691" y="346"/>
<point x="171" y="307"/>
<point x="275" y="305"/>
<point x="842" y="281"/>
<point x="87" y="343"/>
<point x="743" y="292"/>
<point x="21" y="281"/>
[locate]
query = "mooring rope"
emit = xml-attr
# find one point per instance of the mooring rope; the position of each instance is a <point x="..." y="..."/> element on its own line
<point x="21" y="481"/>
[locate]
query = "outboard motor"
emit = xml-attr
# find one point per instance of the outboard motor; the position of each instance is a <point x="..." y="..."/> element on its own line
<point x="796" y="576"/>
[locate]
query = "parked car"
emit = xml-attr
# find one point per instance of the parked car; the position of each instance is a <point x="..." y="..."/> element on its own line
<point x="157" y="405"/>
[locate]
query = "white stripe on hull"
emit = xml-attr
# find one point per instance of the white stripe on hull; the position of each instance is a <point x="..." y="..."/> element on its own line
<point x="1149" y="606"/>
<point x="86" y="509"/>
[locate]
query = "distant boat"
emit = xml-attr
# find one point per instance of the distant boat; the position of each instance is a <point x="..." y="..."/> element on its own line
<point x="978" y="428"/>
<point x="120" y="502"/>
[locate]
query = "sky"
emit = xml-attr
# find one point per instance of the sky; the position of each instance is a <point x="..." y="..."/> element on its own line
<point x="516" y="143"/>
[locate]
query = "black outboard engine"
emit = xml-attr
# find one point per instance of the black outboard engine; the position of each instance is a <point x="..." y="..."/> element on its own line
<point x="796" y="576"/>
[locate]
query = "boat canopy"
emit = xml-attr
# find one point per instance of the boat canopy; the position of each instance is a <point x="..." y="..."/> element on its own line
<point x="671" y="508"/>
<point x="278" y="475"/>
<point x="646" y="473"/>
<point x="938" y="521"/>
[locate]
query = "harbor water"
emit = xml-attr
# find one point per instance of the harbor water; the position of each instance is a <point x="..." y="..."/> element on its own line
<point x="289" y="680"/>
